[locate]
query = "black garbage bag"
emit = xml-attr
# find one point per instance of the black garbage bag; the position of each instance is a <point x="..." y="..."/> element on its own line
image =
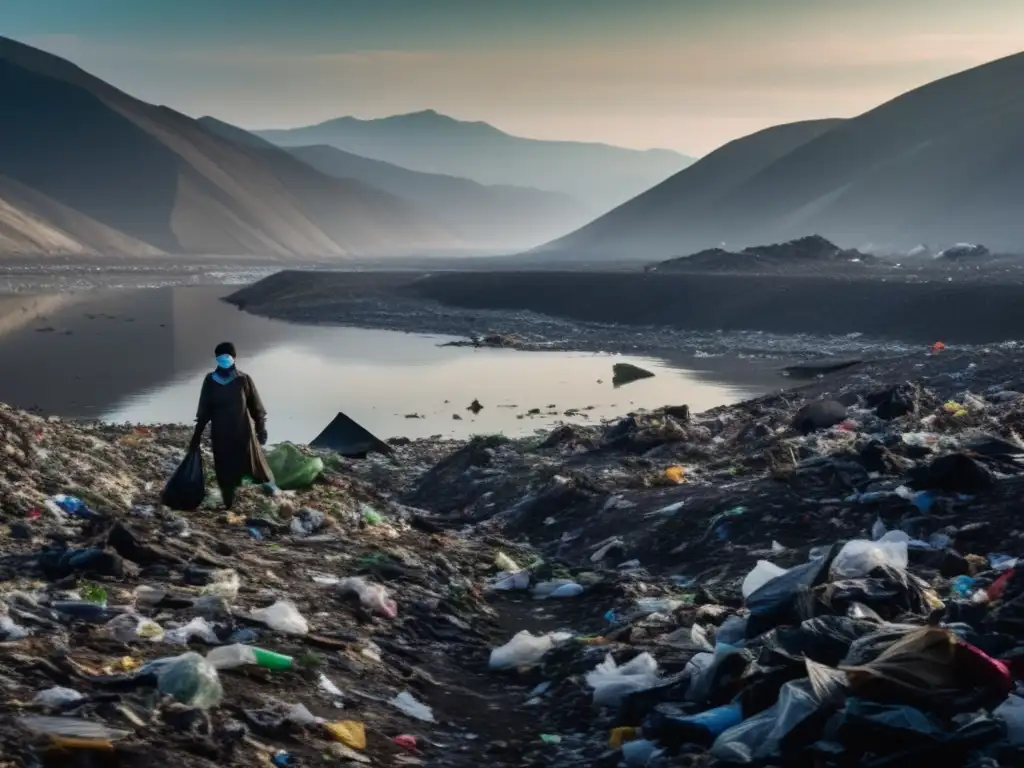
<point x="898" y="401"/>
<point x="186" y="489"/>
<point x="887" y="736"/>
<point x="59" y="563"/>
<point x="954" y="473"/>
<point x="351" y="440"/>
<point x="821" y="414"/>
<point x="787" y="599"/>
<point x="824" y="639"/>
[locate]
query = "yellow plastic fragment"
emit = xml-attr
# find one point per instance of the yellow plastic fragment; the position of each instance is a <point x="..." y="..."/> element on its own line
<point x="349" y="732"/>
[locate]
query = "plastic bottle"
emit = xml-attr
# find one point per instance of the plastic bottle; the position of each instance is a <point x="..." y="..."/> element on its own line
<point x="238" y="655"/>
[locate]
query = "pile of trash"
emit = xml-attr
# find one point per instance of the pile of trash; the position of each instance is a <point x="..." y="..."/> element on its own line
<point x="827" y="576"/>
<point x="325" y="624"/>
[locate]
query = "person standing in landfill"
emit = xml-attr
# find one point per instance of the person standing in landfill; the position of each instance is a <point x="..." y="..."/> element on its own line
<point x="230" y="403"/>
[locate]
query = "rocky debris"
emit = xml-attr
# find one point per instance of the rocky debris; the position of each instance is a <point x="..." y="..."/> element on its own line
<point x="964" y="251"/>
<point x="626" y="373"/>
<point x="657" y="590"/>
<point x="810" y="250"/>
<point x="475" y="407"/>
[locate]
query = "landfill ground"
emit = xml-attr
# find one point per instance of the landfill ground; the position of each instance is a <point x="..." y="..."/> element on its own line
<point x="642" y="532"/>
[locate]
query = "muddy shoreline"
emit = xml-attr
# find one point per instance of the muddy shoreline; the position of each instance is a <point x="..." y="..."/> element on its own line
<point x="784" y="317"/>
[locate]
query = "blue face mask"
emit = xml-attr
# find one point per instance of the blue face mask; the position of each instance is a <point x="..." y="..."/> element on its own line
<point x="225" y="361"/>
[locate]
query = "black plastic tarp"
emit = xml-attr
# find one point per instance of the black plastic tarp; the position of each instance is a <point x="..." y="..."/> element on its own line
<point x="348" y="438"/>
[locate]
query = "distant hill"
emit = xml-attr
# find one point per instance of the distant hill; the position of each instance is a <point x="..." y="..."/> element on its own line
<point x="486" y="217"/>
<point x="941" y="164"/>
<point x="598" y="175"/>
<point x="657" y="223"/>
<point x="86" y="169"/>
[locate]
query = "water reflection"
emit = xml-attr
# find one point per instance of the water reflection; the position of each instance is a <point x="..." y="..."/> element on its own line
<point x="140" y="356"/>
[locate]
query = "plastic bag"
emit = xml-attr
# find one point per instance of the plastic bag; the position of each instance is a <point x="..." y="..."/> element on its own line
<point x="763" y="573"/>
<point x="759" y="737"/>
<point x="128" y="628"/>
<point x="374" y="597"/>
<point x="186" y="489"/>
<point x="71" y="727"/>
<point x="225" y="584"/>
<point x="524" y="649"/>
<point x="733" y="631"/>
<point x="780" y="600"/>
<point x="507" y="582"/>
<point x="282" y="616"/>
<point x="292" y="469"/>
<point x="56" y="697"/>
<point x="1011" y="712"/>
<point x="860" y="557"/>
<point x="198" y="627"/>
<point x="190" y="679"/>
<point x="557" y="588"/>
<point x="407" y="703"/>
<point x="611" y="682"/>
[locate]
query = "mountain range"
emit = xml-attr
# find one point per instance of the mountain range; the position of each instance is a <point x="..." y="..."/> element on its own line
<point x="498" y="217"/>
<point x="941" y="164"/>
<point x="598" y="175"/>
<point x="86" y="169"/>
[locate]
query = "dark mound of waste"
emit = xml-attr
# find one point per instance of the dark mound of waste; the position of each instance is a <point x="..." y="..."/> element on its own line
<point x="810" y="250"/>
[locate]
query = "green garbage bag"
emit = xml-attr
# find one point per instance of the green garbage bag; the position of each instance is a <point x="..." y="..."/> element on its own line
<point x="293" y="469"/>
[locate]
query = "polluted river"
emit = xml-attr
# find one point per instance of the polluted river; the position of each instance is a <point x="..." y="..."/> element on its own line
<point x="822" y="576"/>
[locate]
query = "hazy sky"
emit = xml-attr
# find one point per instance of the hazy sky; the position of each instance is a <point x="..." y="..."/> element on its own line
<point x="684" y="74"/>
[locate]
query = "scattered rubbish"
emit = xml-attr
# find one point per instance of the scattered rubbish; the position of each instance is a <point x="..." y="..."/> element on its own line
<point x="56" y="697"/>
<point x="557" y="589"/>
<point x="505" y="563"/>
<point x="237" y="655"/>
<point x="282" y="616"/>
<point x="406" y="741"/>
<point x="524" y="649"/>
<point x="374" y="597"/>
<point x="408" y="704"/>
<point x="197" y="628"/>
<point x="611" y="683"/>
<point x="675" y="474"/>
<point x="349" y="732"/>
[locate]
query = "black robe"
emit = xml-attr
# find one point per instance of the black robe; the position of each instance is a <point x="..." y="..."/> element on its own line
<point x="231" y="409"/>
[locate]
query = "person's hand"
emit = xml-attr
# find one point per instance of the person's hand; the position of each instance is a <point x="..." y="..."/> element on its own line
<point x="197" y="440"/>
<point x="261" y="435"/>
